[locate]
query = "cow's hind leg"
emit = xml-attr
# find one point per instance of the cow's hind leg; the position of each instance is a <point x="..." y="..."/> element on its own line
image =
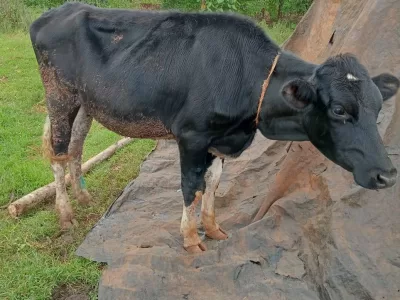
<point x="194" y="163"/>
<point x="62" y="107"/>
<point x="55" y="141"/>
<point x="212" y="178"/>
<point x="80" y="130"/>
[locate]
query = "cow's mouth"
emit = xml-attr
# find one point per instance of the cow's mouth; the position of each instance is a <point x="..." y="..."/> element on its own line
<point x="376" y="179"/>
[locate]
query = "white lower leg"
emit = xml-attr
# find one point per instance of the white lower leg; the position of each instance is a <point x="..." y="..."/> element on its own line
<point x="212" y="179"/>
<point x="191" y="240"/>
<point x="63" y="206"/>
<point x="78" y="182"/>
<point x="208" y="213"/>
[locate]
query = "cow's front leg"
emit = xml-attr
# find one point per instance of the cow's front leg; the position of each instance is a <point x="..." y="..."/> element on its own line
<point x="194" y="163"/>
<point x="212" y="178"/>
<point x="191" y="240"/>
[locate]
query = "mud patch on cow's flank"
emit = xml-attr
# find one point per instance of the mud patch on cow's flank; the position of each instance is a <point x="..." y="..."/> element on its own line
<point x="53" y="82"/>
<point x="142" y="127"/>
<point x="72" y="292"/>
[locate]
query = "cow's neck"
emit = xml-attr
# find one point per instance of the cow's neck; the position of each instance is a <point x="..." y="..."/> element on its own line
<point x="278" y="121"/>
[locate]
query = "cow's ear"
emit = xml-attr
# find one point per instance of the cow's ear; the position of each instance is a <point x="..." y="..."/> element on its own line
<point x="387" y="85"/>
<point x="299" y="94"/>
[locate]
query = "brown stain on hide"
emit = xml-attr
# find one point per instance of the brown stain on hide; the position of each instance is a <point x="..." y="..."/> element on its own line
<point x="192" y="207"/>
<point x="59" y="100"/>
<point x="189" y="230"/>
<point x="149" y="128"/>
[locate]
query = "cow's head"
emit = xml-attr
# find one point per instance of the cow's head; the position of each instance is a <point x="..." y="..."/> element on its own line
<point x="337" y="109"/>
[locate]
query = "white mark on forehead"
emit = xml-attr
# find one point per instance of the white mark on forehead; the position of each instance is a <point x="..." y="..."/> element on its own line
<point x="351" y="77"/>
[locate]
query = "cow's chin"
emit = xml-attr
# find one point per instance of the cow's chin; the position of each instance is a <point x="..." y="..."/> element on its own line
<point x="364" y="181"/>
<point x="362" y="177"/>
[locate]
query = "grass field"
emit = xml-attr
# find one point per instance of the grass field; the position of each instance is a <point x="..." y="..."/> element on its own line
<point x="36" y="262"/>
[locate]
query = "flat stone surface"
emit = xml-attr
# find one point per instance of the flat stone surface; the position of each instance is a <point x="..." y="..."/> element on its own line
<point x="290" y="265"/>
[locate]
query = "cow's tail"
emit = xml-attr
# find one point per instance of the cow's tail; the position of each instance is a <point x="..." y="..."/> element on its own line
<point x="47" y="147"/>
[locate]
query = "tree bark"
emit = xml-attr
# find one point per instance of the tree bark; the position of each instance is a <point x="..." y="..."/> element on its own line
<point x="203" y="5"/>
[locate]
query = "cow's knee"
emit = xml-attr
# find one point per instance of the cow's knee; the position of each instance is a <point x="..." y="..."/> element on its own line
<point x="60" y="136"/>
<point x="56" y="138"/>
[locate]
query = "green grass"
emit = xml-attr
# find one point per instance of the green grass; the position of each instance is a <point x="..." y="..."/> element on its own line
<point x="279" y="32"/>
<point x="14" y="15"/>
<point x="34" y="257"/>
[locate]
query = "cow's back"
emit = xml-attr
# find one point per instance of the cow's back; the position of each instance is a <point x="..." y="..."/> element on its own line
<point x="68" y="35"/>
<point x="133" y="65"/>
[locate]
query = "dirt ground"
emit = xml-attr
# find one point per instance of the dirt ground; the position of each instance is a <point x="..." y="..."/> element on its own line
<point x="68" y="292"/>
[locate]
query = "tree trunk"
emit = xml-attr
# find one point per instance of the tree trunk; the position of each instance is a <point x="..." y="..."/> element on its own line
<point x="203" y="5"/>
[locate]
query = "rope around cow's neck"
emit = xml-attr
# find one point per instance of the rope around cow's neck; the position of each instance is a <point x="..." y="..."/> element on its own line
<point x="265" y="86"/>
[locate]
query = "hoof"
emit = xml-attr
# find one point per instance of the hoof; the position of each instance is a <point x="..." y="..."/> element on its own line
<point x="66" y="216"/>
<point x="196" y="248"/>
<point x="68" y="224"/>
<point x="84" y="198"/>
<point x="217" y="234"/>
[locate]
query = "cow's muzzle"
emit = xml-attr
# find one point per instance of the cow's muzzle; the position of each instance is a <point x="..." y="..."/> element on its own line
<point x="377" y="178"/>
<point x="386" y="179"/>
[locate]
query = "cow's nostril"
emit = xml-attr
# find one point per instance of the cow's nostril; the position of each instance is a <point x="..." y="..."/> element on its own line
<point x="381" y="179"/>
<point x="386" y="180"/>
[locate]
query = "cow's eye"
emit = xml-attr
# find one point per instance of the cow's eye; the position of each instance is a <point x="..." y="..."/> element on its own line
<point x="339" y="111"/>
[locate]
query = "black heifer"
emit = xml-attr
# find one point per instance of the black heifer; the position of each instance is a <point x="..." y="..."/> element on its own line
<point x="198" y="78"/>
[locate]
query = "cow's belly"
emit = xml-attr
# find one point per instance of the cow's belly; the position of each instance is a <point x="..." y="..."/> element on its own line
<point x="148" y="128"/>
